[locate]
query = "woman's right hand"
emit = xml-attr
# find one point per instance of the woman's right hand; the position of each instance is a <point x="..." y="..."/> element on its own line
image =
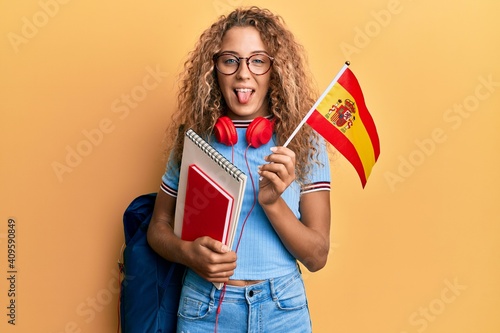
<point x="211" y="259"/>
<point x="208" y="257"/>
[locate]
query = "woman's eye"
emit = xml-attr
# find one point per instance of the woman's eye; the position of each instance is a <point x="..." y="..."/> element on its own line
<point x="258" y="59"/>
<point x="230" y="61"/>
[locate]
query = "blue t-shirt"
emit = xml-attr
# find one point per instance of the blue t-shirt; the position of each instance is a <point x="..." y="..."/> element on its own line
<point x="261" y="254"/>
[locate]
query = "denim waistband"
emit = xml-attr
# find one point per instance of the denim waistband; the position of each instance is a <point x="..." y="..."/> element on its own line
<point x="267" y="289"/>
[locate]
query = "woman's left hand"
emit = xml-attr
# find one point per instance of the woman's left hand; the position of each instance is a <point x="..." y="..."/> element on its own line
<point x="276" y="175"/>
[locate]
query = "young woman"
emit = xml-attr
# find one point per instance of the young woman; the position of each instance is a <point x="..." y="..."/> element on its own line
<point x="246" y="69"/>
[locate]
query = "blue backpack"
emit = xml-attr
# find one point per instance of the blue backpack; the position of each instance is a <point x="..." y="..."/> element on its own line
<point x="151" y="286"/>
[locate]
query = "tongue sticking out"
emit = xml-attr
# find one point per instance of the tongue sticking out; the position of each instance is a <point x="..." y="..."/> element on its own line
<point x="243" y="96"/>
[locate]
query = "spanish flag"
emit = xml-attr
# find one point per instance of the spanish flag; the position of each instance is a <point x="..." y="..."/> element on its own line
<point x="342" y="118"/>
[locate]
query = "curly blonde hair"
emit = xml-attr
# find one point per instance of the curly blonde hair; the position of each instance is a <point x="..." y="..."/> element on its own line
<point x="291" y="91"/>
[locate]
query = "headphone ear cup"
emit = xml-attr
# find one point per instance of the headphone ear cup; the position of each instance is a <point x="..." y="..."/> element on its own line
<point x="225" y="132"/>
<point x="259" y="132"/>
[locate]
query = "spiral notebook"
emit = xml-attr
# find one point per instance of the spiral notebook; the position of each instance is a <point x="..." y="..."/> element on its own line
<point x="227" y="177"/>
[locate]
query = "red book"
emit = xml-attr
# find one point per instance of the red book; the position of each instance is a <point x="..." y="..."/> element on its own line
<point x="207" y="208"/>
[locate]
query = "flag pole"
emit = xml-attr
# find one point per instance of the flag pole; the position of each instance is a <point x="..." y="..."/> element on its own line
<point x="335" y="79"/>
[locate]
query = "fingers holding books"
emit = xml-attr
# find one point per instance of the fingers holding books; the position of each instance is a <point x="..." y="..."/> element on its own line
<point x="212" y="260"/>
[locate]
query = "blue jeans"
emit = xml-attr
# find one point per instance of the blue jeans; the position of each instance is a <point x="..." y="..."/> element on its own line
<point x="275" y="305"/>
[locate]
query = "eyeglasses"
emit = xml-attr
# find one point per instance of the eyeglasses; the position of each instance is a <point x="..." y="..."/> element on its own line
<point x="228" y="63"/>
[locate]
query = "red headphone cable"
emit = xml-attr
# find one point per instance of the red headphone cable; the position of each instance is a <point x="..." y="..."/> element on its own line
<point x="223" y="291"/>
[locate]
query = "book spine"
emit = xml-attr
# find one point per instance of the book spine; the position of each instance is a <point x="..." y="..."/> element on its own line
<point x="229" y="167"/>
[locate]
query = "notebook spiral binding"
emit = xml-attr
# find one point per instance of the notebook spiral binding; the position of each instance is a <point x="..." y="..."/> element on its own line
<point x="232" y="169"/>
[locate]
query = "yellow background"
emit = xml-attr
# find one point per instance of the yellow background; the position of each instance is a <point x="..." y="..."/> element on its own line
<point x="418" y="250"/>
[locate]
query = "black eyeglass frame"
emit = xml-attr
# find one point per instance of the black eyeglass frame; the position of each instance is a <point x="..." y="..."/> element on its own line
<point x="239" y="59"/>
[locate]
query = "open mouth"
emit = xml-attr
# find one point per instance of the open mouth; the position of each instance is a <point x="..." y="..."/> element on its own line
<point x="243" y="94"/>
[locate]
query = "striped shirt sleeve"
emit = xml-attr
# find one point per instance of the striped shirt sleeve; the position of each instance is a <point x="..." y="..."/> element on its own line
<point x="170" y="179"/>
<point x="319" y="177"/>
<point x="314" y="187"/>
<point x="167" y="189"/>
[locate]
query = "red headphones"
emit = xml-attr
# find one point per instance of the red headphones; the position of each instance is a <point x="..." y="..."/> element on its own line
<point x="259" y="132"/>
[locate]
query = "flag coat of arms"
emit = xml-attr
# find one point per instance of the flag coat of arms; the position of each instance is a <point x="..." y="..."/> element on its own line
<point x="342" y="118"/>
